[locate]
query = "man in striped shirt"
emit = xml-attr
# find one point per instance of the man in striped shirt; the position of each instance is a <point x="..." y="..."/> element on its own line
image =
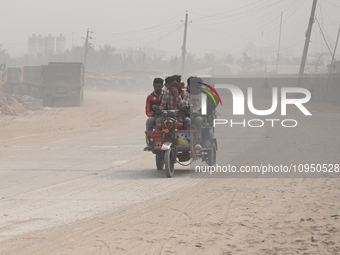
<point x="174" y="99"/>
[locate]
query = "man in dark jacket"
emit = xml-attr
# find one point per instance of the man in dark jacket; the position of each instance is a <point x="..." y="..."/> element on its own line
<point x="153" y="100"/>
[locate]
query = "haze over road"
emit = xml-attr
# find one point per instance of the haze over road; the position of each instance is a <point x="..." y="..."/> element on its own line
<point x="78" y="178"/>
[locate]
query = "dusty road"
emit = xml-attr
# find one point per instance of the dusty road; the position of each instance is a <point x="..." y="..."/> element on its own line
<point x="76" y="181"/>
<point x="71" y="163"/>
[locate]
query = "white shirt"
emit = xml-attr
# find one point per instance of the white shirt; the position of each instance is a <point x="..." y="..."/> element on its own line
<point x="196" y="101"/>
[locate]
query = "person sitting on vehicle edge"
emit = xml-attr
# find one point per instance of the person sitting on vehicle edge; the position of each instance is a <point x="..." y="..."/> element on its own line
<point x="153" y="100"/>
<point x="173" y="99"/>
<point x="194" y="89"/>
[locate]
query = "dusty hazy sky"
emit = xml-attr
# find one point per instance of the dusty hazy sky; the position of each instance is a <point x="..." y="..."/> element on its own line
<point x="227" y="26"/>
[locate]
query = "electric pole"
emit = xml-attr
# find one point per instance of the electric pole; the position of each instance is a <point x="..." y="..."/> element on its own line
<point x="336" y="45"/>
<point x="86" y="50"/>
<point x="305" y="49"/>
<point x="330" y="72"/>
<point x="184" y="42"/>
<point x="86" y="47"/>
<point x="278" y="50"/>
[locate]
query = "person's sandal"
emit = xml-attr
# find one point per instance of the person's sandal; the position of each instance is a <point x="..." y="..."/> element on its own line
<point x="147" y="148"/>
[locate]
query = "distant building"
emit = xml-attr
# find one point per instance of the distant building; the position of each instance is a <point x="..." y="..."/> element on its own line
<point x="42" y="44"/>
<point x="60" y="43"/>
<point x="41" y="41"/>
<point x="33" y="45"/>
<point x="141" y="53"/>
<point x="49" y="43"/>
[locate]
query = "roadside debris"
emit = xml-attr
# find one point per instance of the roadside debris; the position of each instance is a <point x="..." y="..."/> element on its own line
<point x="15" y="104"/>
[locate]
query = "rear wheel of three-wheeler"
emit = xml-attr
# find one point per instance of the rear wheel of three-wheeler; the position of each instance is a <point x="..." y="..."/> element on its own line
<point x="212" y="156"/>
<point x="169" y="161"/>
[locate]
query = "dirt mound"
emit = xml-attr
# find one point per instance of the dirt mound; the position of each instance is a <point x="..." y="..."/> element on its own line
<point x="16" y="104"/>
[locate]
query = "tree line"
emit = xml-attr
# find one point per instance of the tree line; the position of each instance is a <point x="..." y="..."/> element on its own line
<point x="106" y="60"/>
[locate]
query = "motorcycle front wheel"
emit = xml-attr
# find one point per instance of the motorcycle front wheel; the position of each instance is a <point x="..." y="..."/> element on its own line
<point x="159" y="160"/>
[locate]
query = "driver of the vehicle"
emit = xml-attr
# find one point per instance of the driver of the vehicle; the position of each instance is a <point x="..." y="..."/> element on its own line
<point x="175" y="98"/>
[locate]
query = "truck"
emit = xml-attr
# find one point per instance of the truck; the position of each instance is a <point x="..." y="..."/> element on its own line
<point x="32" y="81"/>
<point x="62" y="83"/>
<point x="13" y="80"/>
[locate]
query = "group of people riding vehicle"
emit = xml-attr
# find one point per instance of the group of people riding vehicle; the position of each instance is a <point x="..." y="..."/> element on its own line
<point x="176" y="129"/>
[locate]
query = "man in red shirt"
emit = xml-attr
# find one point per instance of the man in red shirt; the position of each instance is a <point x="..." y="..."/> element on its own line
<point x="153" y="100"/>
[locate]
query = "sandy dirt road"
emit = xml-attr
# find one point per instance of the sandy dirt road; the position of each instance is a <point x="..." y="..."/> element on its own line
<point x="71" y="163"/>
<point x="73" y="182"/>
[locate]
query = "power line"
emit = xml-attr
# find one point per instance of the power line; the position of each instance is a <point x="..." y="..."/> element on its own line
<point x="151" y="42"/>
<point x="323" y="36"/>
<point x="145" y="29"/>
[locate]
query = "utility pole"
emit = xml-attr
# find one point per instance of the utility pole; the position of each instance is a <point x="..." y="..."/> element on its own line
<point x="324" y="38"/>
<point x="184" y="42"/>
<point x="86" y="50"/>
<point x="86" y="47"/>
<point x="305" y="49"/>
<point x="278" y="50"/>
<point x="330" y="73"/>
<point x="336" y="45"/>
